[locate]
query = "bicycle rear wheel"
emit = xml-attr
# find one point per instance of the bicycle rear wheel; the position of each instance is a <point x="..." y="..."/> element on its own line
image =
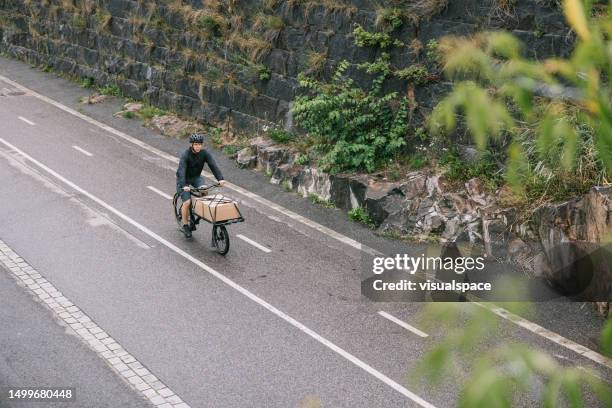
<point x="221" y="239"/>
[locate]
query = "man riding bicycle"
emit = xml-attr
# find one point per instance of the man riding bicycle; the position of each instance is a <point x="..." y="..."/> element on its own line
<point x="189" y="174"/>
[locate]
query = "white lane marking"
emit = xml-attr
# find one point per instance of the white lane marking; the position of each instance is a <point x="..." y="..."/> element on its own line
<point x="370" y="370"/>
<point x="255" y="244"/>
<point x="85" y="152"/>
<point x="123" y="363"/>
<point x="161" y="193"/>
<point x="269" y="204"/>
<point x="550" y="335"/>
<point x="26" y="121"/>
<point x="593" y="355"/>
<point x="403" y="324"/>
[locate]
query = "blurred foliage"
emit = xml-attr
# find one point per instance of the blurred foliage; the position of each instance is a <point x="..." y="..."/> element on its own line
<point x="493" y="373"/>
<point x="555" y="116"/>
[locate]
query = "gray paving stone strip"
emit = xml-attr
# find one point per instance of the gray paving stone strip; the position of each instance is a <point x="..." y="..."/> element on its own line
<point x="126" y="366"/>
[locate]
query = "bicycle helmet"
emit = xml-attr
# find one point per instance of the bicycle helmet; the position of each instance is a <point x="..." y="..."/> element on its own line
<point x="196" y="138"/>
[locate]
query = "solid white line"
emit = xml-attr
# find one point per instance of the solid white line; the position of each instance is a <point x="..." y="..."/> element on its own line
<point x="85" y="152"/>
<point x="269" y="204"/>
<point x="324" y="230"/>
<point x="370" y="370"/>
<point x="161" y="193"/>
<point x="550" y="335"/>
<point x="403" y="324"/>
<point x="255" y="244"/>
<point x="26" y="121"/>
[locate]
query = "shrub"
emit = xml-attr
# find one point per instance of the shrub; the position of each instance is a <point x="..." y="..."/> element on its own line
<point x="148" y="112"/>
<point x="231" y="150"/>
<point x="79" y="22"/>
<point x="210" y="23"/>
<point x="128" y="114"/>
<point x="112" y="90"/>
<point x="280" y="135"/>
<point x="416" y="74"/>
<point x="365" y="38"/>
<point x="302" y="160"/>
<point x="359" y="214"/>
<point x="87" y="83"/>
<point x="264" y="74"/>
<point x="315" y="199"/>
<point x="389" y="18"/>
<point x="418" y="161"/>
<point x="354" y="129"/>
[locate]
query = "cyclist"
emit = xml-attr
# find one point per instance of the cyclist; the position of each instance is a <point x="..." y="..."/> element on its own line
<point x="189" y="173"/>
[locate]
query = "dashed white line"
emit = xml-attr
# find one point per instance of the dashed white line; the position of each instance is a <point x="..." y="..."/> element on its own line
<point x="29" y="122"/>
<point x="255" y="244"/>
<point x="348" y="356"/>
<point x="85" y="152"/>
<point x="122" y="362"/>
<point x="403" y="324"/>
<point x="161" y="193"/>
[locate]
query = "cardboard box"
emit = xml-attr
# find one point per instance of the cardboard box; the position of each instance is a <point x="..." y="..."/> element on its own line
<point x="216" y="208"/>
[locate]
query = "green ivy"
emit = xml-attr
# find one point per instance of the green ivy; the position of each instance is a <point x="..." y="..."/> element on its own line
<point x="365" y="38"/>
<point x="416" y="74"/>
<point x="354" y="129"/>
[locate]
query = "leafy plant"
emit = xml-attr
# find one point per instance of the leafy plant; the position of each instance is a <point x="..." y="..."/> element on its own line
<point x="353" y="128"/>
<point x="315" y="199"/>
<point x="389" y="18"/>
<point x="498" y="371"/>
<point x="264" y="74"/>
<point x="79" y="22"/>
<point x="433" y="53"/>
<point x="87" y="82"/>
<point x="128" y="114"/>
<point x="365" y="38"/>
<point x="211" y="23"/>
<point x="232" y="149"/>
<point x="359" y="214"/>
<point x="112" y="90"/>
<point x="302" y="160"/>
<point x="382" y="65"/>
<point x="418" y="161"/>
<point x="280" y="135"/>
<point x="148" y="112"/>
<point x="416" y="74"/>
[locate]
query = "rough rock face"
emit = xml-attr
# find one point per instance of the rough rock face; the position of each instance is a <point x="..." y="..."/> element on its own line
<point x="576" y="239"/>
<point x="151" y="50"/>
<point x="559" y="243"/>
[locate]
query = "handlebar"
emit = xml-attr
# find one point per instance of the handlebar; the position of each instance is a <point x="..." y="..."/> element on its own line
<point x="203" y="188"/>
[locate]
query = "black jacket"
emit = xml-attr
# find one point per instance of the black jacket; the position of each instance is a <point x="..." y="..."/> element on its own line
<point x="191" y="165"/>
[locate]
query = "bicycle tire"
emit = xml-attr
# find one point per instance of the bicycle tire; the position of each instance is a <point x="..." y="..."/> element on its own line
<point x="221" y="239"/>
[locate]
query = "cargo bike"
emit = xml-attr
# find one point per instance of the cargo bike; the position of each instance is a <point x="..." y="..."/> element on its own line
<point x="214" y="209"/>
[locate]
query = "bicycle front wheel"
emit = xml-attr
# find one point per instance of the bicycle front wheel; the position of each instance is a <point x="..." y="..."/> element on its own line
<point x="177" y="203"/>
<point x="221" y="239"/>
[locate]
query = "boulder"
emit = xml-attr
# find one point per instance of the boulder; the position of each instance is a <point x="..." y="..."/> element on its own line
<point x="246" y="159"/>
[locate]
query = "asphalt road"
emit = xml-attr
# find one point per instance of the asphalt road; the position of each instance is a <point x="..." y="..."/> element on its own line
<point x="254" y="328"/>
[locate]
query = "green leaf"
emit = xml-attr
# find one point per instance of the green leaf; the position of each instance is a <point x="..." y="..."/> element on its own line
<point x="606" y="339"/>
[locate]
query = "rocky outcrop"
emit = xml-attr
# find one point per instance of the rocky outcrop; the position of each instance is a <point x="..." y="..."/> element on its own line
<point x="565" y="244"/>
